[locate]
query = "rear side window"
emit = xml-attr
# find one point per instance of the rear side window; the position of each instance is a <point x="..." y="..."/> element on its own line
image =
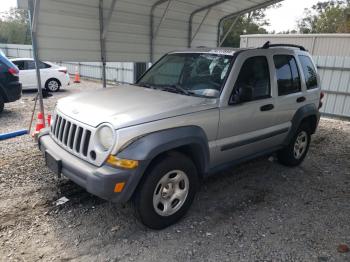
<point x="31" y="65"/>
<point x="288" y="77"/>
<point x="309" y="72"/>
<point x="255" y="74"/>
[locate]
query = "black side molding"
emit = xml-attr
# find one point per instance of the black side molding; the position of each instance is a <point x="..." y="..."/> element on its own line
<point x="254" y="139"/>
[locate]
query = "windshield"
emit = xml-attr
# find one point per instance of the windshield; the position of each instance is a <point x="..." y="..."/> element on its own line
<point x="196" y="74"/>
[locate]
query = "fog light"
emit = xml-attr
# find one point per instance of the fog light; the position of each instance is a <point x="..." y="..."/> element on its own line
<point x="123" y="163"/>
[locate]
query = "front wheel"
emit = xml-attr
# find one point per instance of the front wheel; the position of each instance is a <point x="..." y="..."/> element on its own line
<point x="295" y="152"/>
<point x="167" y="191"/>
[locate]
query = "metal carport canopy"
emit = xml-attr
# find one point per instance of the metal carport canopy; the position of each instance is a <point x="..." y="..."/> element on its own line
<point x="128" y="30"/>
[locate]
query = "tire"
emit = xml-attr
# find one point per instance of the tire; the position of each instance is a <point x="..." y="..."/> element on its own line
<point x="173" y="180"/>
<point x="295" y="153"/>
<point x="2" y="104"/>
<point x="52" y="85"/>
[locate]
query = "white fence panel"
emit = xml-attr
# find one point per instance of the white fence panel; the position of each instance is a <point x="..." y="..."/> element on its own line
<point x="121" y="72"/>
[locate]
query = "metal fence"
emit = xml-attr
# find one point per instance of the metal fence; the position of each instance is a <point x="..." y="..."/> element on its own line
<point x="115" y="71"/>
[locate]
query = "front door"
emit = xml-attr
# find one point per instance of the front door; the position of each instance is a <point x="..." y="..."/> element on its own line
<point x="247" y="123"/>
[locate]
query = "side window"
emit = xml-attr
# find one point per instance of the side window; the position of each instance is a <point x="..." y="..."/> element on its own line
<point x="19" y="64"/>
<point x="255" y="75"/>
<point x="309" y="72"/>
<point x="288" y="77"/>
<point x="30" y="65"/>
<point x="44" y="65"/>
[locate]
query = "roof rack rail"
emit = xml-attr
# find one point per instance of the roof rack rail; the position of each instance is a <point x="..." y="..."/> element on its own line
<point x="268" y="45"/>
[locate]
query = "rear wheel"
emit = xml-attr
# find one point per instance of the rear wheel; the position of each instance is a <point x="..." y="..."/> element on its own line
<point x="2" y="104"/>
<point x="167" y="191"/>
<point x="295" y="152"/>
<point x="52" y="85"/>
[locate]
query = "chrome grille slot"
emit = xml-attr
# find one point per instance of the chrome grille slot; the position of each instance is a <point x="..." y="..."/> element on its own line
<point x="66" y="132"/>
<point x="86" y="142"/>
<point x="71" y="135"/>
<point x="60" y="134"/>
<point x="78" y="139"/>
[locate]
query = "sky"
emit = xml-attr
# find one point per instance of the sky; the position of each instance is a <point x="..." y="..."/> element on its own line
<point x="7" y="4"/>
<point x="286" y="17"/>
<point x="281" y="19"/>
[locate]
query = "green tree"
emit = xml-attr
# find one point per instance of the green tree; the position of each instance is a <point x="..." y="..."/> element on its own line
<point x="326" y="17"/>
<point x="15" y="27"/>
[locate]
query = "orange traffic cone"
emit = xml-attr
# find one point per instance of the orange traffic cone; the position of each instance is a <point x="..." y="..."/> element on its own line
<point x="49" y="119"/>
<point x="39" y="124"/>
<point x="76" y="76"/>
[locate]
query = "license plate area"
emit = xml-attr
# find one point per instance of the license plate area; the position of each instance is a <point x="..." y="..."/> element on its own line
<point x="53" y="163"/>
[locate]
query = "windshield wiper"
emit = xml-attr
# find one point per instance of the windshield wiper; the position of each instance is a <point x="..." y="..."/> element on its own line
<point x="170" y="88"/>
<point x="177" y="89"/>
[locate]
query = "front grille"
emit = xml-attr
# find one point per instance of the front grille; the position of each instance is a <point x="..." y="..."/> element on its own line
<point x="71" y="135"/>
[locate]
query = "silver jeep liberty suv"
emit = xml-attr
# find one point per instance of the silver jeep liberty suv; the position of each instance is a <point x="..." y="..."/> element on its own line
<point x="191" y="114"/>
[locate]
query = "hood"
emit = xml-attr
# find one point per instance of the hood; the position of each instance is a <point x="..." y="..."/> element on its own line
<point x="128" y="105"/>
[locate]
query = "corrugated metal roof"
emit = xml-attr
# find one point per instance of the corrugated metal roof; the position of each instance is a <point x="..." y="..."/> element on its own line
<point x="69" y="29"/>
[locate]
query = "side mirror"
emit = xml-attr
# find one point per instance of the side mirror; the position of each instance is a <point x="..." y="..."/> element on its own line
<point x="242" y="94"/>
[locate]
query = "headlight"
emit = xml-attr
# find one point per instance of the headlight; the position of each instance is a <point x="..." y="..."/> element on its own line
<point x="105" y="137"/>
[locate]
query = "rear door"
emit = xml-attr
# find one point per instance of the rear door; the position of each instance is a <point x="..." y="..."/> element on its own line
<point x="23" y="74"/>
<point x="290" y="91"/>
<point x="29" y="75"/>
<point x="248" y="128"/>
<point x="311" y="79"/>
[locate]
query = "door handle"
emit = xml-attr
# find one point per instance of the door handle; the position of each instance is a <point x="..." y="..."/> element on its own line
<point x="301" y="99"/>
<point x="267" y="107"/>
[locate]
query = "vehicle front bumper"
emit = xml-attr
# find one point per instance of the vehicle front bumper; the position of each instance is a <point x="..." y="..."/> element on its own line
<point x="99" y="181"/>
<point x="13" y="91"/>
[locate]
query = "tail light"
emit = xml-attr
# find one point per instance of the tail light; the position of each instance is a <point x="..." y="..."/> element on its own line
<point x="64" y="71"/>
<point x="13" y="71"/>
<point x="321" y="100"/>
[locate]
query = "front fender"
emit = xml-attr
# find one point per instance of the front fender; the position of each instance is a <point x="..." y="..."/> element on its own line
<point x="153" y="144"/>
<point x="149" y="146"/>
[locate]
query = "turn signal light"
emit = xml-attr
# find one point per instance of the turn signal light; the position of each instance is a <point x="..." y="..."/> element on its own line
<point x="119" y="187"/>
<point x="123" y="163"/>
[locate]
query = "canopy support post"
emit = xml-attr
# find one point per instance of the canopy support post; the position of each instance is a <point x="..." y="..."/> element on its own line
<point x="102" y="44"/>
<point x="199" y="27"/>
<point x="162" y="19"/>
<point x="151" y="28"/>
<point x="108" y="21"/>
<point x="234" y="22"/>
<point x="242" y="12"/>
<point x="190" y="22"/>
<point x="33" y="15"/>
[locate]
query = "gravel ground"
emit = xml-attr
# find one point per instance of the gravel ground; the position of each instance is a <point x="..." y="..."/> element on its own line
<point x="259" y="211"/>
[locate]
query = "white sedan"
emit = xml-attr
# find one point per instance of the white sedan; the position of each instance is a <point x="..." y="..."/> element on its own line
<point x="53" y="77"/>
